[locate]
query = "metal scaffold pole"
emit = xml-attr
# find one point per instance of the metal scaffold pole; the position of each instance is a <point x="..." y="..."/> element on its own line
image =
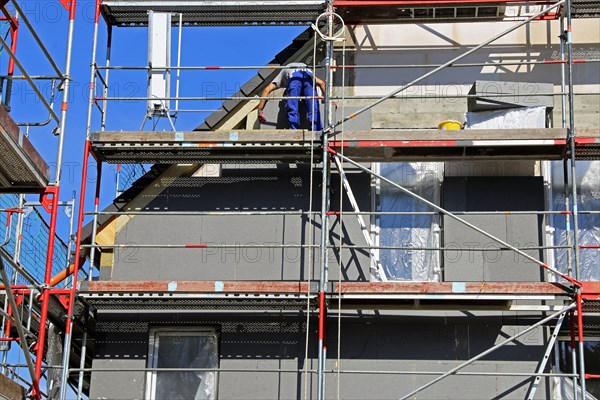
<point x="573" y="353"/>
<point x="55" y="197"/>
<point x="109" y="35"/>
<point x="325" y="202"/>
<point x="567" y="103"/>
<point x="580" y="339"/>
<point x="571" y="139"/>
<point x="76" y="259"/>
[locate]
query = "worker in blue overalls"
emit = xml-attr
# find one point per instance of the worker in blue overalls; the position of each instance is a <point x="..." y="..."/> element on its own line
<point x="297" y="79"/>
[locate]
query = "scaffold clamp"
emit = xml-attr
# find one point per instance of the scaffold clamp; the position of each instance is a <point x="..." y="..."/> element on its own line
<point x="47" y="197"/>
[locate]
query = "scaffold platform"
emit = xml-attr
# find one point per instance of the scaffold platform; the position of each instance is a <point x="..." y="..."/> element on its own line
<point x="384" y="145"/>
<point x="303" y="12"/>
<point x="215" y="13"/>
<point x="281" y="295"/>
<point x="22" y="168"/>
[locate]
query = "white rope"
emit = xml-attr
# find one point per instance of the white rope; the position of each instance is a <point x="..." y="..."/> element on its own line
<point x="338" y="36"/>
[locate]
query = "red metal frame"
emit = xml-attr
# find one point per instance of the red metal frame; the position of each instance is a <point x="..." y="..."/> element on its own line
<point x="14" y="35"/>
<point x="590" y="291"/>
<point x="78" y="261"/>
<point x="18" y="301"/>
<point x="51" y="205"/>
<point x="45" y="295"/>
<point x="579" y="300"/>
<point x="197" y="287"/>
<point x="323" y="322"/>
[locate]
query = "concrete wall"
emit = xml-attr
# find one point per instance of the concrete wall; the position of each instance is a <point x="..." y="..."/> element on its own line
<point x="281" y="188"/>
<point x="520" y="230"/>
<point x="375" y="341"/>
<point x="285" y="188"/>
<point x="435" y="44"/>
<point x="269" y="188"/>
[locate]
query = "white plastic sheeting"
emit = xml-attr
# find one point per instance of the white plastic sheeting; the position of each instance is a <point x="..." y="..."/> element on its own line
<point x="186" y="351"/>
<point x="588" y="199"/>
<point x="563" y="390"/>
<point x="513" y="118"/>
<point x="424" y="179"/>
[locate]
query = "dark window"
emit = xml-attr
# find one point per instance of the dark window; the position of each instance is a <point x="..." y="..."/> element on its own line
<point x="183" y="349"/>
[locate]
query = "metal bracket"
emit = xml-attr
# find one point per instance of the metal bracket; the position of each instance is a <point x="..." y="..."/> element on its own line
<point x="65" y="3"/>
<point x="47" y="198"/>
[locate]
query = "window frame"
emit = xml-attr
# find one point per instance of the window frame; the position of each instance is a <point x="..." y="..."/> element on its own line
<point x="377" y="220"/>
<point x="154" y="345"/>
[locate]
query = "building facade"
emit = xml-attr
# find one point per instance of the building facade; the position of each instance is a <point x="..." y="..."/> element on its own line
<point x="217" y="278"/>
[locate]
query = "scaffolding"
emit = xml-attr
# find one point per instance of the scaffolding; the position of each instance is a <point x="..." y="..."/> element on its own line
<point x="234" y="146"/>
<point x="32" y="253"/>
<point x="321" y="298"/>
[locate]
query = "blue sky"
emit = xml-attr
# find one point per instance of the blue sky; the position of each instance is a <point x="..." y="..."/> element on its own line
<point x="201" y="46"/>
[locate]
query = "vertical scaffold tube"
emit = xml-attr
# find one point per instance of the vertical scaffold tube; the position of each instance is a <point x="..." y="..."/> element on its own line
<point x="93" y="70"/>
<point x="46" y="291"/>
<point x="571" y="138"/>
<point x="54" y="205"/>
<point x="14" y="36"/>
<point x="563" y="100"/>
<point x="322" y="346"/>
<point x="573" y="353"/>
<point x="106" y="73"/>
<point x="69" y="322"/>
<point x="66" y="85"/>
<point x="581" y="345"/>
<point x="568" y="239"/>
<point x="325" y="194"/>
<point x="77" y="262"/>
<point x="563" y="96"/>
<point x="95" y="218"/>
<point x="82" y="366"/>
